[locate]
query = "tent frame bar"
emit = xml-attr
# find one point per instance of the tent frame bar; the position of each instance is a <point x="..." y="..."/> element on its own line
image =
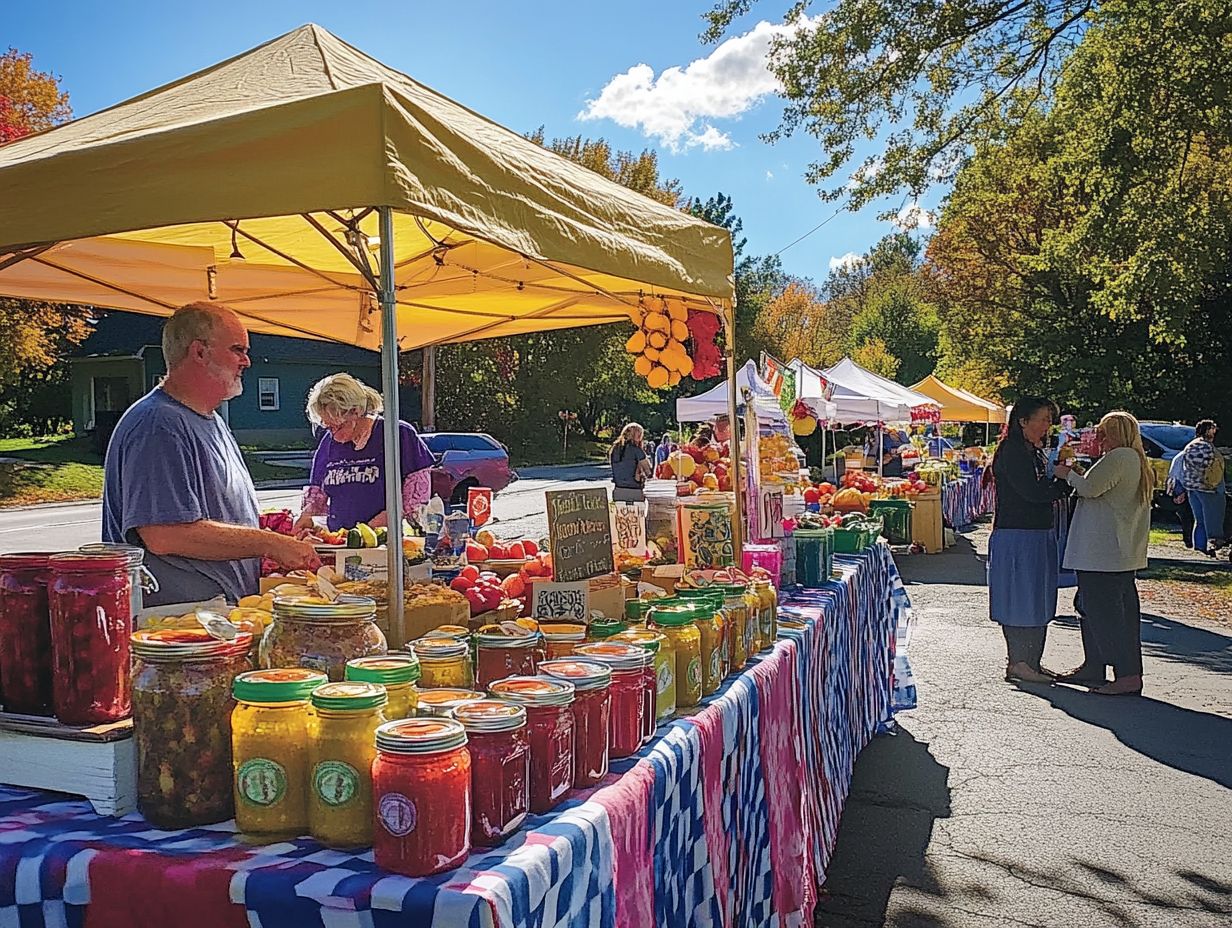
<point x="396" y="559"/>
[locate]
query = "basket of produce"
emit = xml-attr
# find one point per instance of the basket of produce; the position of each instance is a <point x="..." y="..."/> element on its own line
<point x="856" y="533"/>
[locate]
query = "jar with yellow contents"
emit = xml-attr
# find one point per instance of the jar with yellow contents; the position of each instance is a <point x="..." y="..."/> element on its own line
<point x="398" y="673"/>
<point x="269" y="750"/>
<point x="676" y="623"/>
<point x="709" y="624"/>
<point x="736" y="612"/>
<point x="752" y="629"/>
<point x="769" y="599"/>
<point x="656" y="642"/>
<point x="341" y="749"/>
<point x="444" y="662"/>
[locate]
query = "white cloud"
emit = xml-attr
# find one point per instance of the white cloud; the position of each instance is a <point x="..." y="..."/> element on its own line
<point x="913" y="216"/>
<point x="846" y="262"/>
<point x="769" y="175"/>
<point x="867" y="172"/>
<point x="679" y="105"/>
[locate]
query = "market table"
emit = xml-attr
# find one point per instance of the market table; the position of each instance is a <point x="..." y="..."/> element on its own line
<point x="728" y="817"/>
<point x="965" y="499"/>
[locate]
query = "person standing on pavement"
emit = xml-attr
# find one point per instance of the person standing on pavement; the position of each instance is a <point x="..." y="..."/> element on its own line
<point x="630" y="466"/>
<point x="1022" y="552"/>
<point x="1175" y="488"/>
<point x="175" y="482"/>
<point x="1202" y="472"/>
<point x="1107" y="545"/>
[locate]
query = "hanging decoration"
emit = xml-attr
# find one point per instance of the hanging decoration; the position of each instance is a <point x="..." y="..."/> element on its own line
<point x="707" y="358"/>
<point x="658" y="345"/>
<point x="803" y="422"/>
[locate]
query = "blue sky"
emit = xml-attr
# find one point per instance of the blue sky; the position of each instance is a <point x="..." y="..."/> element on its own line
<point x="521" y="64"/>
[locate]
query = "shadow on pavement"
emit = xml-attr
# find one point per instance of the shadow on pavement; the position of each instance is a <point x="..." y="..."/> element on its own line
<point x="898" y="790"/>
<point x="1195" y="742"/>
<point x="960" y="565"/>
<point x="1170" y="640"/>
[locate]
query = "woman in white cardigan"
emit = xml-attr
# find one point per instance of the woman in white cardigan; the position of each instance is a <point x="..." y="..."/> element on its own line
<point x="1107" y="546"/>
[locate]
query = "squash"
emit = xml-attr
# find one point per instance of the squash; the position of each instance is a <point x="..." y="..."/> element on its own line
<point x="849" y="500"/>
<point x="636" y="342"/>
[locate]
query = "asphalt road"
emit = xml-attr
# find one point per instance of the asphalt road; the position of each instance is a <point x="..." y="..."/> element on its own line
<point x="999" y="805"/>
<point x="518" y="511"/>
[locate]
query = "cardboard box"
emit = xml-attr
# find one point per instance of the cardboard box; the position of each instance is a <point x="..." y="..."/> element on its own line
<point x="664" y="576"/>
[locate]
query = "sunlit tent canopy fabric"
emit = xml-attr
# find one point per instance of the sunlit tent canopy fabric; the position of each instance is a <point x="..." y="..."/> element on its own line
<point x="958" y="405"/>
<point x="853" y="398"/>
<point x="280" y="155"/>
<point x="714" y="401"/>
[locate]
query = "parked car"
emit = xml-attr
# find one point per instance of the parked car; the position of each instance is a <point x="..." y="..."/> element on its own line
<point x="465" y="460"/>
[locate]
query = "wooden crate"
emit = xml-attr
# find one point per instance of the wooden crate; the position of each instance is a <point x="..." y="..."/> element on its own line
<point x="98" y="762"/>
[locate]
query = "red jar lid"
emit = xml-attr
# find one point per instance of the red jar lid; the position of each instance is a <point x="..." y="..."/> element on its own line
<point x="584" y="675"/>
<point x="490" y="715"/>
<point x="533" y="691"/>
<point x="420" y="736"/>
<point x="25" y="560"/>
<point x="80" y="562"/>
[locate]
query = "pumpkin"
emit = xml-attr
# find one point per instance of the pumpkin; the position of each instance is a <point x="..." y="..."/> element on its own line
<point x="682" y="464"/>
<point x="657" y="378"/>
<point x="849" y="500"/>
<point x="804" y="426"/>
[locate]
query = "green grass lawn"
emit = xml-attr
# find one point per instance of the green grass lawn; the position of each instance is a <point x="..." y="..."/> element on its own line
<point x="549" y="452"/>
<point x="1162" y="535"/>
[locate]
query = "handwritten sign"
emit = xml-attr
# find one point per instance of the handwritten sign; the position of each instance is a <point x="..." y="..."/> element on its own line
<point x="579" y="533"/>
<point x="561" y="601"/>
<point x="630" y="526"/>
<point x="770" y="511"/>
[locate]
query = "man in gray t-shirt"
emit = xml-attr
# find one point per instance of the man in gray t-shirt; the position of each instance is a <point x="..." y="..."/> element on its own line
<point x="175" y="482"/>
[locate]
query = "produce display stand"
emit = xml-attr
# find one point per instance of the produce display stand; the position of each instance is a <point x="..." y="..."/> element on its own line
<point x="733" y="809"/>
<point x="965" y="499"/>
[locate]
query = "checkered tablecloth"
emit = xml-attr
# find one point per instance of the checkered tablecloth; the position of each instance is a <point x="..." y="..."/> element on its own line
<point x="964" y="500"/>
<point x="727" y="819"/>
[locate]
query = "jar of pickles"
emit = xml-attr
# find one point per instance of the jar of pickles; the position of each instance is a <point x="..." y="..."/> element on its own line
<point x="709" y="624"/>
<point x="502" y="651"/>
<point x="592" y="710"/>
<point x="443" y="662"/>
<point x="88" y="598"/>
<point x="25" y="634"/>
<point x="664" y="668"/>
<point x="632" y="690"/>
<point x="676" y="623"/>
<point x="561" y="638"/>
<point x="182" y="705"/>
<point x="500" y="768"/>
<point x="421" y="787"/>
<point x="768" y="599"/>
<point x="269" y="748"/>
<point x="322" y="635"/>
<point x="549" y="725"/>
<point x="752" y="629"/>
<point x="443" y="701"/>
<point x="341" y="748"/>
<point x="736" y="612"/>
<point x="713" y="599"/>
<point x="600" y="629"/>
<point x="398" y="673"/>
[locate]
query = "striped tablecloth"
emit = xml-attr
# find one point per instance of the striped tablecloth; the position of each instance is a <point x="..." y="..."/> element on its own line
<point x="964" y="500"/>
<point x="728" y="818"/>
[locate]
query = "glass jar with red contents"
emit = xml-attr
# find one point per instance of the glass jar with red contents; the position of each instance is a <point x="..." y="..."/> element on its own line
<point x="505" y="650"/>
<point x="421" y="788"/>
<point x="632" y="692"/>
<point x="25" y="634"/>
<point x="89" y="603"/>
<point x="592" y="711"/>
<point x="442" y="702"/>
<point x="549" y="725"/>
<point x="500" y="768"/>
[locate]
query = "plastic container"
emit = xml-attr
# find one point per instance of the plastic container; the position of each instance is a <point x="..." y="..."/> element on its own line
<point x="398" y="673"/>
<point x="421" y="787"/>
<point x="269" y="748"/>
<point x="500" y="768"/>
<point x="141" y="580"/>
<point x="321" y="635"/>
<point x="814" y="556"/>
<point x="677" y="624"/>
<point x="632" y="690"/>
<point x="25" y="634"/>
<point x="443" y="662"/>
<point x="90" y="606"/>
<point x="561" y="638"/>
<point x="341" y="749"/>
<point x="768" y="557"/>
<point x="895" y="515"/>
<point x="664" y="669"/>
<point x="549" y="725"/>
<point x="592" y="710"/>
<point x="499" y="654"/>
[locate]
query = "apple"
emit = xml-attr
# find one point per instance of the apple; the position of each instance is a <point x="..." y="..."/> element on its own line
<point x="476" y="551"/>
<point x="532" y="548"/>
<point x="517" y="551"/>
<point x="461" y="584"/>
<point x="470" y="572"/>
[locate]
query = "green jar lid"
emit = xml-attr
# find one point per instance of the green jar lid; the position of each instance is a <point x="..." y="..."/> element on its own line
<point x="349" y="696"/>
<point x="280" y="685"/>
<point x="678" y="615"/>
<point x="641" y="637"/>
<point x="636" y="609"/>
<point x="606" y="628"/>
<point x="389" y="669"/>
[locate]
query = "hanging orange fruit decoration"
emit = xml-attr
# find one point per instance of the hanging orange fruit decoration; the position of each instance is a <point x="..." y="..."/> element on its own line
<point x="658" y="344"/>
<point x="803" y="422"/>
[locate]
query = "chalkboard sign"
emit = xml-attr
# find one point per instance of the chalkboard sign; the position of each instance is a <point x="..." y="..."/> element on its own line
<point x="579" y="533"/>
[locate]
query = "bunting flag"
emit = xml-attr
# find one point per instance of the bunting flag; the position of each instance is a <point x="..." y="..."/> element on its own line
<point x="772" y="372"/>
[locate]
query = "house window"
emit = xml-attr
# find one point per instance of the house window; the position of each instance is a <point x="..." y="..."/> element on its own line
<point x="267" y="394"/>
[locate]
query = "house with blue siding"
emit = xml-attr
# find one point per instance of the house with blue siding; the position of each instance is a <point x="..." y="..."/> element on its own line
<point x="122" y="360"/>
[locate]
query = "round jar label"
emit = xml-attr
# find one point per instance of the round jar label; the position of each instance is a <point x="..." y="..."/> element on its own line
<point x="336" y="782"/>
<point x="663" y="679"/>
<point x="716" y="663"/>
<point x="397" y="814"/>
<point x="694" y="673"/>
<point x="261" y="781"/>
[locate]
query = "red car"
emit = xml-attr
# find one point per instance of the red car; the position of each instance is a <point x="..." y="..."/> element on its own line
<point x="465" y="460"/>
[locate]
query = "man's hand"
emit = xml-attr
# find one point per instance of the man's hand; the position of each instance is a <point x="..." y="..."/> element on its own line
<point x="293" y="554"/>
<point x="1062" y="470"/>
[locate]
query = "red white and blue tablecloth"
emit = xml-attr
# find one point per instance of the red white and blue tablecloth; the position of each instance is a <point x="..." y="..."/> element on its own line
<point x="727" y="819"/>
<point x="965" y="499"/>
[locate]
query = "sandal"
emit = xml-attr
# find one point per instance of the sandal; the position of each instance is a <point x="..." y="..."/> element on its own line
<point x="1021" y="673"/>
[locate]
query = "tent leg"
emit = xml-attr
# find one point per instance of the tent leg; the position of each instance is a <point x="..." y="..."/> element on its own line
<point x="737" y="466"/>
<point x="393" y="416"/>
<point x="880" y="452"/>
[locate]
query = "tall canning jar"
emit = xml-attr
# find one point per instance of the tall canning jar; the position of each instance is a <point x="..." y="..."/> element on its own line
<point x="768" y="599"/>
<point x="140" y="579"/>
<point x="421" y="787"/>
<point x="443" y="701"/>
<point x="322" y="635"/>
<point x="713" y="598"/>
<point x="709" y="624"/>
<point x="549" y="725"/>
<point x="398" y="673"/>
<point x="89" y="603"/>
<point x="501" y="653"/>
<point x="269" y="747"/>
<point x="561" y="638"/>
<point x="341" y="748"/>
<point x="664" y="653"/>
<point x="752" y="630"/>
<point x="632" y="689"/>
<point x="25" y="634"/>
<point x="182" y="706"/>
<point x="500" y="768"/>
<point x="736" y="612"/>
<point x="443" y="662"/>
<point x="676" y="623"/>
<point x="592" y="712"/>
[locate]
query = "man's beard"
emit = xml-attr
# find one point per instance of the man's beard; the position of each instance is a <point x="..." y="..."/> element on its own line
<point x="233" y="385"/>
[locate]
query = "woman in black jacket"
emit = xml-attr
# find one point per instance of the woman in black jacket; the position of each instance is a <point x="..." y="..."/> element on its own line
<point x="1022" y="553"/>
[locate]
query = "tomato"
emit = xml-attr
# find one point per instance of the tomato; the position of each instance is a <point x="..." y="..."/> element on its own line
<point x="812" y="495"/>
<point x="531" y="548"/>
<point x="470" y="572"/>
<point x="498" y="552"/>
<point x="460" y="583"/>
<point x="514" y="586"/>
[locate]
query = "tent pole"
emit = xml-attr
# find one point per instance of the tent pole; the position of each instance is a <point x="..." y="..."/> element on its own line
<point x="729" y="331"/>
<point x="393" y="419"/>
<point x="880" y="451"/>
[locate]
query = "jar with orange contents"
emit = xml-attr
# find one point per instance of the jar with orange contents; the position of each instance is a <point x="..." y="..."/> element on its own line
<point x="664" y="653"/>
<point x="505" y="650"/>
<point x="444" y="700"/>
<point x="549" y="725"/>
<point x="562" y="638"/>
<point x="676" y="623"/>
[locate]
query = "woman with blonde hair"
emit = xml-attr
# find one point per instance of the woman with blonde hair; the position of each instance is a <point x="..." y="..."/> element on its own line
<point x="347" y="481"/>
<point x="1107" y="546"/>
<point x="630" y="465"/>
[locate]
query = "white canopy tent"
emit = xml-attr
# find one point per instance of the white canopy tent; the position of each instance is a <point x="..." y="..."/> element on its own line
<point x="852" y="399"/>
<point x="715" y="401"/>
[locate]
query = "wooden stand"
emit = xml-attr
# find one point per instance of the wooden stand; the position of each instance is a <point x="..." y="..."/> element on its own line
<point x="98" y="762"/>
<point x="926" y="521"/>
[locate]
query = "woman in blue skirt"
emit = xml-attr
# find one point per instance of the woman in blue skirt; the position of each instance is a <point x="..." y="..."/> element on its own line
<point x="1022" y="553"/>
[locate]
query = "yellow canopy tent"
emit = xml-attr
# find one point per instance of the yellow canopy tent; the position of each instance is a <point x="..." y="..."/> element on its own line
<point x="958" y="405"/>
<point x="319" y="193"/>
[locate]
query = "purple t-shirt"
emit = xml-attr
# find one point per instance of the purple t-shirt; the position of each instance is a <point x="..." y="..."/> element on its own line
<point x="354" y="480"/>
